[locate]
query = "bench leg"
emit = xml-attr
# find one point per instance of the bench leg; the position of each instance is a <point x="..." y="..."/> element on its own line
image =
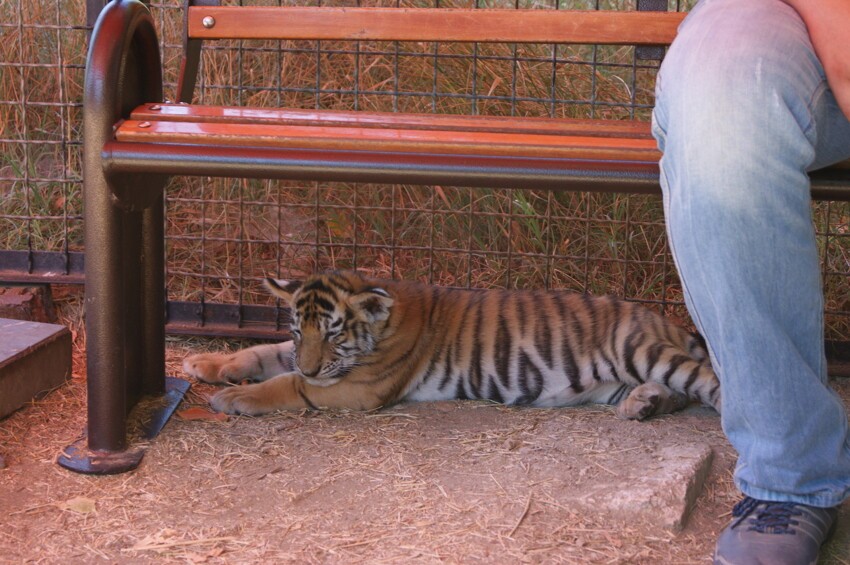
<point x="125" y="335"/>
<point x="153" y="302"/>
<point x="111" y="357"/>
<point x="125" y="300"/>
<point x="106" y="317"/>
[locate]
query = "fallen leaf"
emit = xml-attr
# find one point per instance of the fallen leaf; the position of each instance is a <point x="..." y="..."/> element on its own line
<point x="79" y="504"/>
<point x="203" y="558"/>
<point x="198" y="413"/>
<point x="261" y="474"/>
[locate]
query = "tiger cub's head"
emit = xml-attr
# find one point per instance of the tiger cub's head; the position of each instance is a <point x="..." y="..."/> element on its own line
<point x="336" y="320"/>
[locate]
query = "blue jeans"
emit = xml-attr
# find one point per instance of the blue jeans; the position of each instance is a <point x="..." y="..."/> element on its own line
<point x="743" y="111"/>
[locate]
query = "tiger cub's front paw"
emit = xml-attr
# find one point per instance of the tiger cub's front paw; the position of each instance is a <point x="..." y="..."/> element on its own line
<point x="214" y="368"/>
<point x="245" y="399"/>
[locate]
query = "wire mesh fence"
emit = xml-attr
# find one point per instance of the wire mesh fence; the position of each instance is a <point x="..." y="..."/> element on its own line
<point x="224" y="235"/>
<point x="42" y="60"/>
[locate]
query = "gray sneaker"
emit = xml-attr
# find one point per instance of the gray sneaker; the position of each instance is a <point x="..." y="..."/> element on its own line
<point x="774" y="533"/>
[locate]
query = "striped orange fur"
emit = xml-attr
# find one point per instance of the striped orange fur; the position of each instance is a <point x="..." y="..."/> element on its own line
<point x="364" y="343"/>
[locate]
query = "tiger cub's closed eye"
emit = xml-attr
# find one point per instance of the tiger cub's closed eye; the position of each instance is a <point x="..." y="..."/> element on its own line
<point x="332" y="335"/>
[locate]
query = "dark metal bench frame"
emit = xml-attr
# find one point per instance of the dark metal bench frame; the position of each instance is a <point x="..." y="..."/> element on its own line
<point x="124" y="239"/>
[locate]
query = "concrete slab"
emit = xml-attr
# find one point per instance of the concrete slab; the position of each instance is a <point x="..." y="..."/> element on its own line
<point x="34" y="358"/>
<point x="662" y="492"/>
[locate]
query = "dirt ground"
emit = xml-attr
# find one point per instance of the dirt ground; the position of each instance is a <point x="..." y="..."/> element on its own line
<point x="418" y="483"/>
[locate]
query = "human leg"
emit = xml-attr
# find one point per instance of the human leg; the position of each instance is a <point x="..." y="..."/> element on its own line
<point x="743" y="112"/>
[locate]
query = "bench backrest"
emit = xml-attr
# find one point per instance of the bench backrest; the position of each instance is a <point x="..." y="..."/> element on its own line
<point x="434" y="24"/>
<point x="420" y="24"/>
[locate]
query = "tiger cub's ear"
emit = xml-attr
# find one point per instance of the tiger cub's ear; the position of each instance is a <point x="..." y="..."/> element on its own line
<point x="372" y="304"/>
<point x="281" y="288"/>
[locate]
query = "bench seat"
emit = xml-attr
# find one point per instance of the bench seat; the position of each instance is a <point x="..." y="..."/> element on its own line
<point x="374" y="147"/>
<point x="356" y="146"/>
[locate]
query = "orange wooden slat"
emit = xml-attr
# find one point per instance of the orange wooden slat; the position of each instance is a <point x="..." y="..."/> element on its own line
<point x="388" y="140"/>
<point x="436" y="24"/>
<point x="287" y="116"/>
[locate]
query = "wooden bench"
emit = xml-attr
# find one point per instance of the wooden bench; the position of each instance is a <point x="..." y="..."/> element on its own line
<point x="134" y="142"/>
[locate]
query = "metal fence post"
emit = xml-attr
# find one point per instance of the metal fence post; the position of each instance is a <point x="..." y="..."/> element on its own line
<point x="648" y="52"/>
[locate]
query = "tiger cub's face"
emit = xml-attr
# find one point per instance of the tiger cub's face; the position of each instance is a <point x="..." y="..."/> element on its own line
<point x="334" y="323"/>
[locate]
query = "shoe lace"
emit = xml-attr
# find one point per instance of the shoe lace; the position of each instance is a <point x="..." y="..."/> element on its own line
<point x="771" y="518"/>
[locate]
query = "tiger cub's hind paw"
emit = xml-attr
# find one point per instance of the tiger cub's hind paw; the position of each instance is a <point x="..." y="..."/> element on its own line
<point x="650" y="399"/>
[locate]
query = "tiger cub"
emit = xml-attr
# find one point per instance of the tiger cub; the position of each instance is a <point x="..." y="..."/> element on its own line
<point x="364" y="343"/>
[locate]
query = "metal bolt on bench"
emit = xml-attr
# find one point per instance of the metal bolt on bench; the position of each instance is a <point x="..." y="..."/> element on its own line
<point x="133" y="142"/>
